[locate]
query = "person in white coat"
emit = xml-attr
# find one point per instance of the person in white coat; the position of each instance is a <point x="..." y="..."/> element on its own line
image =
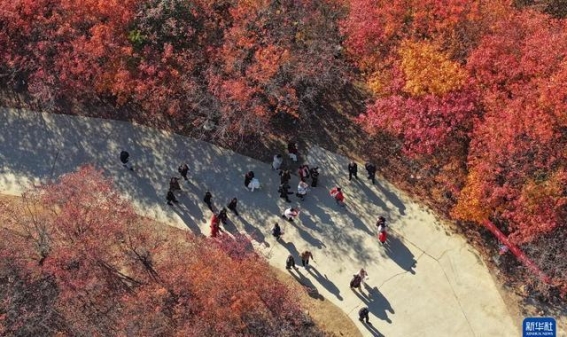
<point x="302" y="189"/>
<point x="277" y="162"/>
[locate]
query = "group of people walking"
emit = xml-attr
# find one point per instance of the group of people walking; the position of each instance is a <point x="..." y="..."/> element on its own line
<point x="308" y="178"/>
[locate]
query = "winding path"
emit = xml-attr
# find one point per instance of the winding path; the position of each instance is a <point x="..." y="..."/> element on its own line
<point x="423" y="282"/>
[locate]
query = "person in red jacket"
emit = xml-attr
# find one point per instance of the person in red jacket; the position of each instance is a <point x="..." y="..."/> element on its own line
<point x="338" y="195"/>
<point x="215" y="226"/>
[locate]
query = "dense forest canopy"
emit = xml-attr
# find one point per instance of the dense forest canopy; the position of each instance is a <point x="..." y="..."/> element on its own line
<point x="477" y="85"/>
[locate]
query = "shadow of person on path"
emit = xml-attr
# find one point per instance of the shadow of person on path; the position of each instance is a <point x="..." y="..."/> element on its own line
<point x="253" y="232"/>
<point x="371" y="196"/>
<point x="392" y="197"/>
<point x="290" y="246"/>
<point x="314" y="242"/>
<point x="375" y="333"/>
<point x="399" y="253"/>
<point x="325" y="282"/>
<point x="307" y="284"/>
<point x="183" y="212"/>
<point x="376" y="302"/>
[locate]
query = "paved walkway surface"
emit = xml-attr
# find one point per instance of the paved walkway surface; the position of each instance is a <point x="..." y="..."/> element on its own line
<point x="423" y="282"/>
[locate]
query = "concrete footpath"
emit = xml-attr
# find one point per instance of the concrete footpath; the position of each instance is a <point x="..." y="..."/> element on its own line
<point x="422" y="282"/>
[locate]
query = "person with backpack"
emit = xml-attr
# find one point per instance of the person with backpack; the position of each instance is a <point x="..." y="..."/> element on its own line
<point x="371" y="170"/>
<point x="352" y="170"/>
<point x="124" y="158"/>
<point x="356" y="281"/>
<point x="290" y="262"/>
<point x="232" y="206"/>
<point x="277" y="231"/>
<point x="363" y="315"/>
<point x="314" y="172"/>
<point x="170" y="197"/>
<point x="183" y="169"/>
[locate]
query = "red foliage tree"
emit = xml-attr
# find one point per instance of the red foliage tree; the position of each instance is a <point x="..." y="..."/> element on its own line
<point x="102" y="269"/>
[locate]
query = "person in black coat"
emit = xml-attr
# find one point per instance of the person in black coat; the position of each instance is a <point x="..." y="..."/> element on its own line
<point x="170" y="197"/>
<point x="124" y="158"/>
<point x="285" y="176"/>
<point x="314" y="172"/>
<point x="363" y="315"/>
<point x="248" y="178"/>
<point x="232" y="206"/>
<point x="207" y="199"/>
<point x="183" y="169"/>
<point x="352" y="170"/>
<point x="223" y="216"/>
<point x="277" y="231"/>
<point x="284" y="192"/>
<point x="290" y="262"/>
<point x="371" y="169"/>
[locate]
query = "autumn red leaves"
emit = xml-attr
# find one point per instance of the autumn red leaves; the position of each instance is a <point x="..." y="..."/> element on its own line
<point x="476" y="86"/>
<point x="476" y="73"/>
<point x="75" y="259"/>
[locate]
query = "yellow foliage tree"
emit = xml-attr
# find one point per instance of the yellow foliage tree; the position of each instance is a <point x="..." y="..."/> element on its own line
<point x="470" y="206"/>
<point x="427" y="70"/>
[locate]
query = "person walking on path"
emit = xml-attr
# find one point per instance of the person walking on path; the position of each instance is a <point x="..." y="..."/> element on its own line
<point x="183" y="169"/>
<point x="292" y="150"/>
<point x="290" y="214"/>
<point x="248" y="178"/>
<point x="174" y="184"/>
<point x="277" y="162"/>
<point x="290" y="262"/>
<point x="302" y="189"/>
<point x="124" y="159"/>
<point x="371" y="170"/>
<point x="363" y="274"/>
<point x="356" y="281"/>
<point x="170" y="197"/>
<point x="215" y="226"/>
<point x="314" y="172"/>
<point x="232" y="206"/>
<point x="303" y="172"/>
<point x="363" y="315"/>
<point x="284" y="192"/>
<point x="305" y="256"/>
<point x="208" y="200"/>
<point x="337" y="193"/>
<point x="285" y="176"/>
<point x="277" y="231"/>
<point x="382" y="229"/>
<point x="352" y="170"/>
<point x="223" y="216"/>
